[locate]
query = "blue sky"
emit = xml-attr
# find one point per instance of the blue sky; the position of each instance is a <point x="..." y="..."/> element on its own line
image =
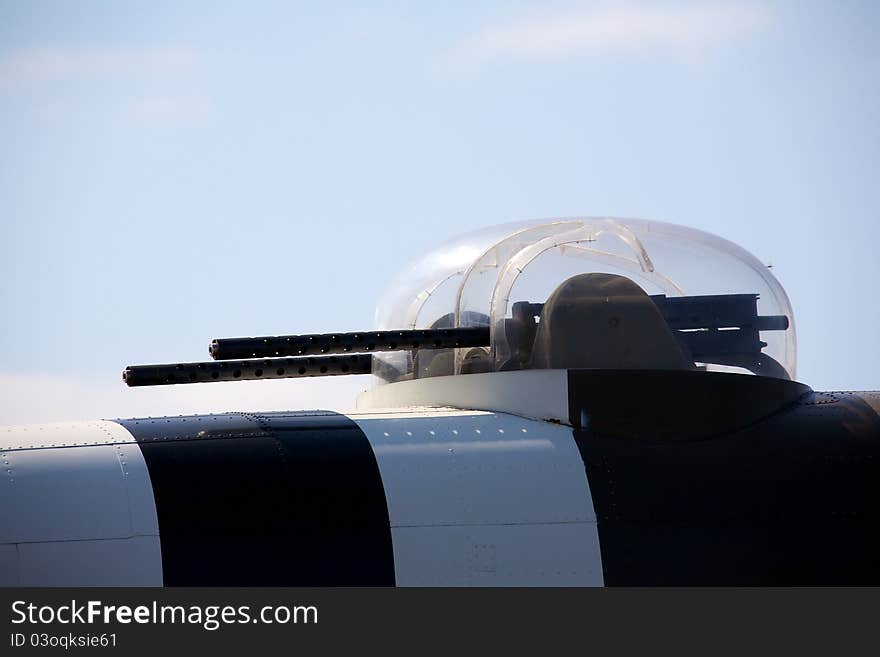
<point x="171" y="175"/>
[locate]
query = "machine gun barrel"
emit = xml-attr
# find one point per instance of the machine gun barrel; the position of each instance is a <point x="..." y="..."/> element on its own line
<point x="268" y="368"/>
<point x="342" y="343"/>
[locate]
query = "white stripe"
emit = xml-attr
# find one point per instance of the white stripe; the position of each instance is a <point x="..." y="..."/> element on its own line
<point x="77" y="515"/>
<point x="485" y="499"/>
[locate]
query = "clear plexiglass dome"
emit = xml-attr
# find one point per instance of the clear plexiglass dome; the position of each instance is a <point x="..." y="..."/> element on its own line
<point x="594" y="293"/>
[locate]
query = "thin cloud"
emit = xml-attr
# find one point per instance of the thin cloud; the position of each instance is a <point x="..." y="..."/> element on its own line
<point x="149" y="84"/>
<point x="190" y="105"/>
<point x="40" y="65"/>
<point x="615" y="29"/>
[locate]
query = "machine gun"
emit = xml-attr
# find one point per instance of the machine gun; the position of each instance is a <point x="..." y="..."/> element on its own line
<point x="243" y="359"/>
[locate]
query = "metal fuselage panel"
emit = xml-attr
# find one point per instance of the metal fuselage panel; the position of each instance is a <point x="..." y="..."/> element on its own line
<point x="478" y="498"/>
<point x="431" y="497"/>
<point x="793" y="500"/>
<point x="268" y="499"/>
<point x="77" y="508"/>
<point x="450" y="497"/>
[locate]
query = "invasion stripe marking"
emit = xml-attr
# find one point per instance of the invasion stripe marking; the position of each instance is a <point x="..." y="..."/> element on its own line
<point x="271" y="499"/>
<point x="789" y="501"/>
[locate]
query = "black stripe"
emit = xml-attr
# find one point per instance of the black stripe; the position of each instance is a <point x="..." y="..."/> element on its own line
<point x="791" y="500"/>
<point x="275" y="499"/>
